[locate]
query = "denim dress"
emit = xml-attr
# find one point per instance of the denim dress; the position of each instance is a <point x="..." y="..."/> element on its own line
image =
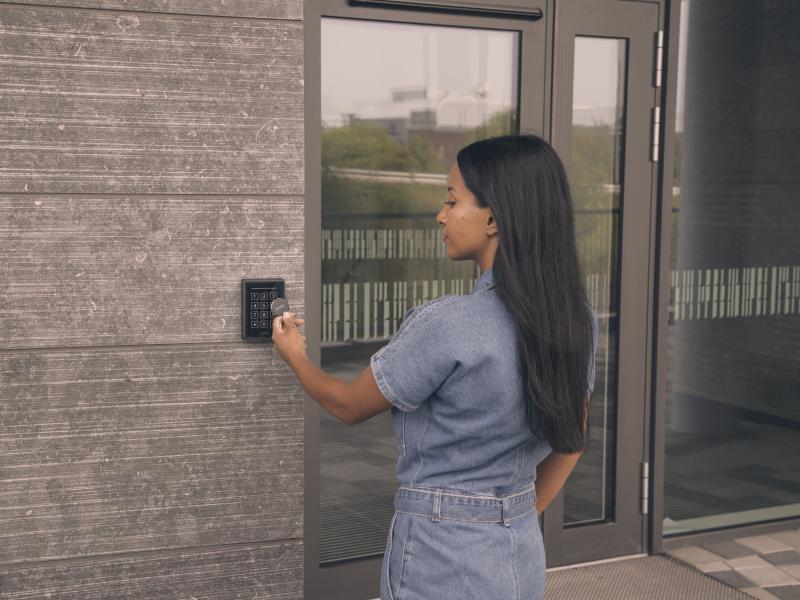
<point x="465" y="523"/>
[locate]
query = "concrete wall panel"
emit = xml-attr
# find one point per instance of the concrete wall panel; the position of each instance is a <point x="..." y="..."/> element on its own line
<point x="107" y="270"/>
<point x="121" y="449"/>
<point x="257" y="9"/>
<point x="251" y="572"/>
<point x="120" y="102"/>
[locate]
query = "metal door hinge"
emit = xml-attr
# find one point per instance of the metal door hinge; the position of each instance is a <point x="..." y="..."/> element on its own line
<point x="656" y="132"/>
<point x="659" y="66"/>
<point x="645" y="486"/>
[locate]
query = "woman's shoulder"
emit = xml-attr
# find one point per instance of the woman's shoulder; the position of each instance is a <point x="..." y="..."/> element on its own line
<point x="443" y="310"/>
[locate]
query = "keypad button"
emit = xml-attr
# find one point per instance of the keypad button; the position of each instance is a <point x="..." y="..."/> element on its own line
<point x="264" y="323"/>
<point x="265" y="315"/>
<point x="254" y="324"/>
<point x="254" y="305"/>
<point x="273" y="295"/>
<point x="264" y="305"/>
<point x="263" y="295"/>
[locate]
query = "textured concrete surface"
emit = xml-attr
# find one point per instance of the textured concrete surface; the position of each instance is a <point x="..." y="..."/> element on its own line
<point x="88" y="270"/>
<point x="106" y="101"/>
<point x="152" y="157"/>
<point x="254" y="9"/>
<point x="247" y="572"/>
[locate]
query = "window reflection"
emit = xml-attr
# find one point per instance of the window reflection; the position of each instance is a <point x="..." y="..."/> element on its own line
<point x="398" y="102"/>
<point x="596" y="176"/>
<point x="732" y="381"/>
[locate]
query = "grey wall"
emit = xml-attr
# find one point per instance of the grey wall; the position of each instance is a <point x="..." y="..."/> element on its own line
<point x="149" y="160"/>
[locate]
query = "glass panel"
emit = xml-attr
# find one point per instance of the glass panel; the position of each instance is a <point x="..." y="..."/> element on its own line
<point x="596" y="176"/>
<point x="398" y="102"/>
<point x="734" y="331"/>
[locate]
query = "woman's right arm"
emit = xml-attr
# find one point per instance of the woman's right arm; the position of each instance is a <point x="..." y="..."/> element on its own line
<point x="553" y="471"/>
<point x="551" y="475"/>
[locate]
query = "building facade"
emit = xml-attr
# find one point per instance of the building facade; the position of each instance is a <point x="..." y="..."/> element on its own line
<point x="149" y="452"/>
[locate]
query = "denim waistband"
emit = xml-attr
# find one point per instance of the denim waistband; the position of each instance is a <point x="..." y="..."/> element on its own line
<point x="438" y="504"/>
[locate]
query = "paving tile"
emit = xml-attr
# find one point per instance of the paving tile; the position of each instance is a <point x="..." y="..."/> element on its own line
<point x="760" y="593"/>
<point x="763" y="543"/>
<point x="789" y="557"/>
<point x="695" y="555"/>
<point x="747" y="562"/>
<point x="793" y="570"/>
<point x="768" y="576"/>
<point x="791" y="592"/>
<point x="791" y="537"/>
<point x="728" y="549"/>
<point x="732" y="578"/>
<point x="713" y="566"/>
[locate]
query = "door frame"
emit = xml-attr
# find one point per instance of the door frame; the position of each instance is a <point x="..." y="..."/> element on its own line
<point x="638" y="23"/>
<point x="538" y="113"/>
<point x="360" y="578"/>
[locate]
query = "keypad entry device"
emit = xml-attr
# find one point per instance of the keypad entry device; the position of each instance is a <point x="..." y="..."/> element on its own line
<point x="257" y="296"/>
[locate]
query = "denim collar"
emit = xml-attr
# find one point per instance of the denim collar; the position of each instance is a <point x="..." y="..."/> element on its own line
<point x="485" y="281"/>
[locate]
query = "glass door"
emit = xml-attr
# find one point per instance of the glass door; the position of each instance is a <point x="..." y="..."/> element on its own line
<point x="603" y="100"/>
<point x="401" y="92"/>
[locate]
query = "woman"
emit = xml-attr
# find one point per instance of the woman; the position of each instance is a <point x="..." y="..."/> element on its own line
<point x="489" y="391"/>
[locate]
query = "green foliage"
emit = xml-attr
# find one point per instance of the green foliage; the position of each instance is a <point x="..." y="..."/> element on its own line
<point x="502" y="122"/>
<point x="363" y="146"/>
<point x="342" y="195"/>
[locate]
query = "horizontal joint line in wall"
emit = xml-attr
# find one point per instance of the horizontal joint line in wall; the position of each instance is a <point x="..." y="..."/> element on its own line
<point x="143" y="12"/>
<point x="253" y="344"/>
<point x="156" y="553"/>
<point x="160" y="194"/>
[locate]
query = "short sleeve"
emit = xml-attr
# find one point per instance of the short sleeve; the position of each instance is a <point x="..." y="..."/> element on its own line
<point x="593" y="355"/>
<point x="418" y="359"/>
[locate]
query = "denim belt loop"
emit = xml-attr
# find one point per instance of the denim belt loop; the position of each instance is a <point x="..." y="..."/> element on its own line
<point x="437" y="505"/>
<point x="506" y="510"/>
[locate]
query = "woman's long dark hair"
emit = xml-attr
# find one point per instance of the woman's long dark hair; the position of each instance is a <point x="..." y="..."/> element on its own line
<point x="538" y="276"/>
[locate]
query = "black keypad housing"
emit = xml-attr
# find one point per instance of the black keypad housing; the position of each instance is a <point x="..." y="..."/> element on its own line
<point x="257" y="294"/>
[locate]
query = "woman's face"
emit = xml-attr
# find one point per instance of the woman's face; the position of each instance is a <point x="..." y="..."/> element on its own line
<point x="468" y="231"/>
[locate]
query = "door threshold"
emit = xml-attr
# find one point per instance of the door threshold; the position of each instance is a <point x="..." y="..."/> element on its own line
<point x="596" y="562"/>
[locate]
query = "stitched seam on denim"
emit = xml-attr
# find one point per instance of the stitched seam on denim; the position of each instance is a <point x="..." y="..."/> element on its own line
<point x="419" y="448"/>
<point x="523" y="514"/>
<point x="498" y="520"/>
<point x="423" y="308"/>
<point x="457" y="503"/>
<point x="388" y="558"/>
<point x="514" y="562"/>
<point x="380" y="378"/>
<point x="524" y="490"/>
<point x="404" y="557"/>
<point x="450" y="518"/>
<point x="403" y="444"/>
<point x="520" y="461"/>
<point x="437" y="506"/>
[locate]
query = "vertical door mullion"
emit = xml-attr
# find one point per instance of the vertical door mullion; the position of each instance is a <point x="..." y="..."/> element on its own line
<point x="635" y="22"/>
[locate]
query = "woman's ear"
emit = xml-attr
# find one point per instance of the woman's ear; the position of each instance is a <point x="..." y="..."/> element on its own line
<point x="491" y="225"/>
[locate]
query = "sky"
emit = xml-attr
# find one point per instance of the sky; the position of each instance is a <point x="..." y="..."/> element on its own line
<point x="363" y="61"/>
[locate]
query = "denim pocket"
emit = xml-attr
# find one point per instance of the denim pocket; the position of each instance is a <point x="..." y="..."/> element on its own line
<point x="395" y="557"/>
<point x="386" y="580"/>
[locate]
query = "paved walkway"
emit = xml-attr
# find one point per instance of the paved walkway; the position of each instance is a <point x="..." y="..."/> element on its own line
<point x="764" y="566"/>
<point x="657" y="577"/>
